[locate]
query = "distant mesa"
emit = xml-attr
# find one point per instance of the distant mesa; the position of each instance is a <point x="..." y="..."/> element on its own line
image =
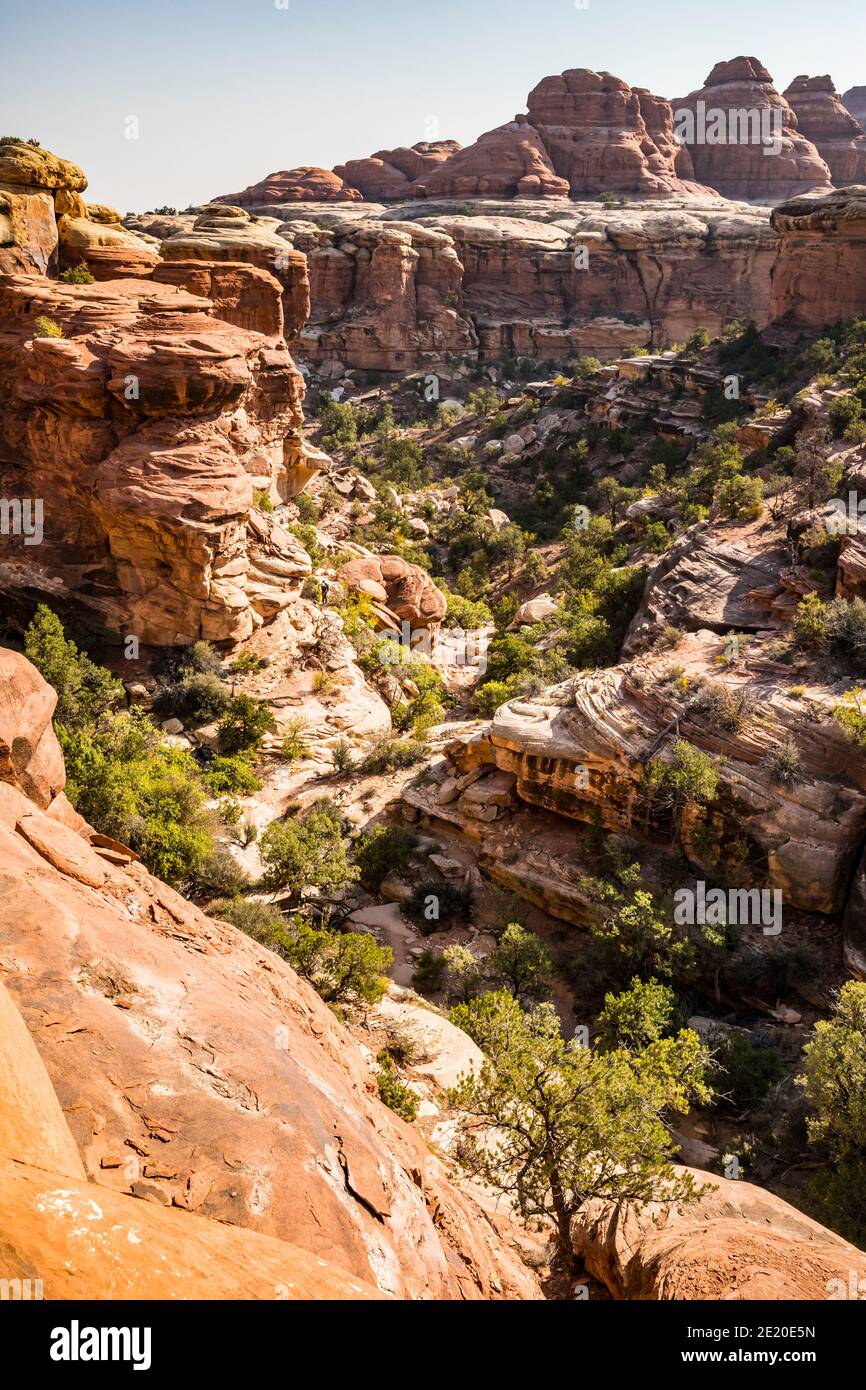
<point x="391" y="175"/>
<point x="306" y="184"/>
<point x="854" y="100"/>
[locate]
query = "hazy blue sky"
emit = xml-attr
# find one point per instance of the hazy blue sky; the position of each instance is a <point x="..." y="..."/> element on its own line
<point x="227" y="91"/>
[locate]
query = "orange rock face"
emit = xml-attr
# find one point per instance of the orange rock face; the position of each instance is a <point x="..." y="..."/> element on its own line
<point x="736" y="1242"/>
<point x="820" y="273"/>
<point x="217" y="1107"/>
<point x="399" y="590"/>
<point x="834" y="132"/>
<point x="143" y="431"/>
<point x="390" y="175"/>
<point x="510" y="161"/>
<point x="306" y="184"/>
<point x="743" y="136"/>
<point x="599" y="140"/>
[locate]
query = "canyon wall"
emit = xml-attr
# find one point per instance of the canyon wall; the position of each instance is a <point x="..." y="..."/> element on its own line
<point x="209" y="1099"/>
<point x="819" y="276"/>
<point x="143" y="429"/>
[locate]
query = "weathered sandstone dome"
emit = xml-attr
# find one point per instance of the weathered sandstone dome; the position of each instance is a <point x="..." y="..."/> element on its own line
<point x="770" y="159"/>
<point x="306" y="184"/>
<point x="834" y="132"/>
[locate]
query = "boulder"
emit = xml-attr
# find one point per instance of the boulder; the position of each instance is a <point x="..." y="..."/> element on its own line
<point x="404" y="589"/>
<point x="736" y="1242"/>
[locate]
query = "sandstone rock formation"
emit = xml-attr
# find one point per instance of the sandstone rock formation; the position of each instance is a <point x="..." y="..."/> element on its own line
<point x="510" y="161"/>
<point x="736" y="1242"/>
<point x="395" y="295"/>
<point x="218" y="1109"/>
<point x="384" y="296"/>
<point x="144" y="430"/>
<point x="306" y="184"/>
<point x="598" y="138"/>
<point x="395" y="174"/>
<point x="230" y="234"/>
<point x="608" y="724"/>
<point x="31" y="179"/>
<point x="834" y="132"/>
<point x="743" y="136"/>
<point x="854" y="100"/>
<point x="819" y="275"/>
<point x="401" y="592"/>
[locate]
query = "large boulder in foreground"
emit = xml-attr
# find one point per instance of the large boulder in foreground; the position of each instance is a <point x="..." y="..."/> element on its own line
<point x="197" y="1074"/>
<point x="736" y="1242"/>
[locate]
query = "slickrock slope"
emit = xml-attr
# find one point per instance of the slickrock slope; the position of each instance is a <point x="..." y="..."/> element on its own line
<point x="306" y="184"/>
<point x="144" y="430"/>
<point x="510" y="161"/>
<point x="743" y="163"/>
<point x="736" y="1242"/>
<point x="397" y="174"/>
<point x="80" y="1241"/>
<point x="197" y="1074"/>
<point x="834" y="132"/>
<point x="820" y="274"/>
<point x="600" y="140"/>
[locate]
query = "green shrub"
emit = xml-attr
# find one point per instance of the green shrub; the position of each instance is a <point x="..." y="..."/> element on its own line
<point x="740" y="498"/>
<point x="294" y="745"/>
<point x="746" y="1072"/>
<point x="85" y="691"/>
<point x="78" y="275"/>
<point x="784" y="763"/>
<point x="636" y="1017"/>
<point x="843" y="412"/>
<point x="244" y="725"/>
<point x="393" y="1092"/>
<point x="391" y="755"/>
<point x="384" y="850"/>
<point x="305" y="853"/>
<point x="428" y="976"/>
<point x="231" y="775"/>
<point x="44" y="327"/>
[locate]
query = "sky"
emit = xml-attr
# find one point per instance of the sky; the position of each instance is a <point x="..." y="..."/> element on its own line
<point x="227" y="91"/>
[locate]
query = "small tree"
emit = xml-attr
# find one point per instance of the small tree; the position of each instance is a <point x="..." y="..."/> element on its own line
<point x="554" y="1125"/>
<point x="244" y="724"/>
<point x="347" y="968"/>
<point x="640" y="1015"/>
<point x="85" y="691"/>
<point x="834" y="1081"/>
<point x="521" y="961"/>
<point x="638" y="939"/>
<point x="689" y="779"/>
<point x="305" y="853"/>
